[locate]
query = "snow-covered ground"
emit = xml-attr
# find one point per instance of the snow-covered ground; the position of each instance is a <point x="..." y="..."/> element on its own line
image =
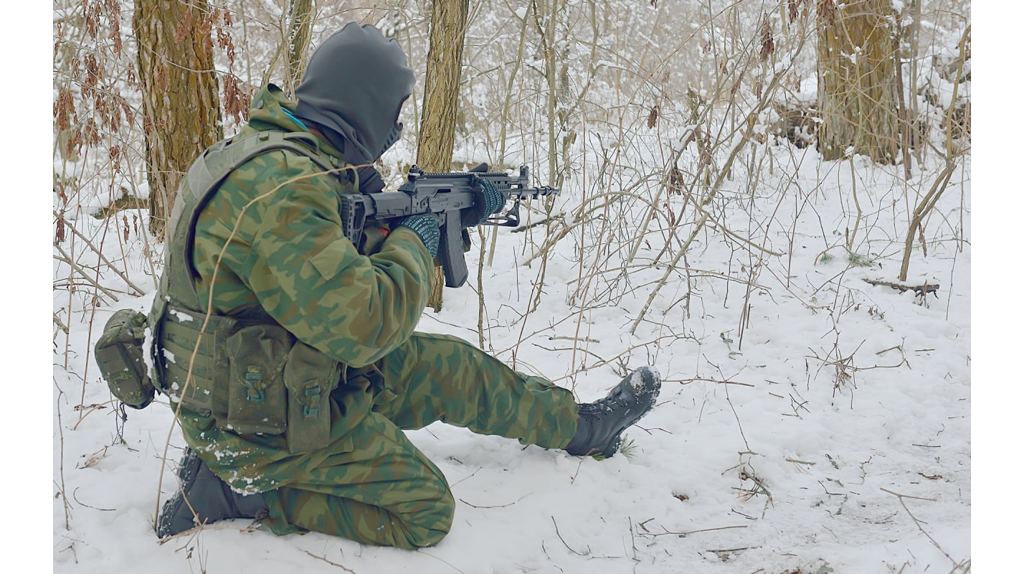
<point x="809" y="421"/>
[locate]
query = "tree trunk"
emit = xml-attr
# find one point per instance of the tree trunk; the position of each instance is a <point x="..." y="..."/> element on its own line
<point x="441" y="98"/>
<point x="301" y="15"/>
<point x="181" y="106"/>
<point x="857" y="87"/>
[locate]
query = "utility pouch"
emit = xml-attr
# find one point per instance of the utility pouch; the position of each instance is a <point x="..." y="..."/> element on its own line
<point x="256" y="391"/>
<point x="310" y="376"/>
<point x="119" y="357"/>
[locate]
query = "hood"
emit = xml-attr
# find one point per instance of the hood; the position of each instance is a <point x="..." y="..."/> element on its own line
<point x="354" y="85"/>
<point x="271" y="109"/>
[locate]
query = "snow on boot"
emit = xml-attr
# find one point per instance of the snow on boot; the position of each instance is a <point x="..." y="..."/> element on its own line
<point x="209" y="496"/>
<point x="601" y="423"/>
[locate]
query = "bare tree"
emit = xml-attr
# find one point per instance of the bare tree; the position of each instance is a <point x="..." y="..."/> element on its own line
<point x="441" y="98"/>
<point x="857" y="79"/>
<point x="301" y="16"/>
<point x="181" y="106"/>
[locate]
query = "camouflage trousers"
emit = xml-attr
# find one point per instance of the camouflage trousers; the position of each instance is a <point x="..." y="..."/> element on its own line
<point x="371" y="484"/>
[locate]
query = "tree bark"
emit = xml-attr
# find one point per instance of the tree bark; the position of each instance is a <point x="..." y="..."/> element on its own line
<point x="301" y="16"/>
<point x="181" y="105"/>
<point x="857" y="87"/>
<point x="441" y="99"/>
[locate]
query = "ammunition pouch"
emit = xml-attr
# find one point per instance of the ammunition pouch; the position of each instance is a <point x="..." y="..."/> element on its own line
<point x="309" y="377"/>
<point x="250" y="377"/>
<point x="119" y="356"/>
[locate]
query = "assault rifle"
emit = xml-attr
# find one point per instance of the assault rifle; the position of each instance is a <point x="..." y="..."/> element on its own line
<point x="445" y="195"/>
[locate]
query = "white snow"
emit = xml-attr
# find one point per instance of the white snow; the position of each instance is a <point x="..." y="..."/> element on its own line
<point x="795" y="446"/>
<point x="181" y="317"/>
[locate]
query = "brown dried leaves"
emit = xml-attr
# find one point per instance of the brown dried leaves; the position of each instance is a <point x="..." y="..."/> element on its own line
<point x="767" y="40"/>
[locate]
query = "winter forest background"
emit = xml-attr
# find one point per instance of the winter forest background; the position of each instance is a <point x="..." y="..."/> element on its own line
<point x="770" y="201"/>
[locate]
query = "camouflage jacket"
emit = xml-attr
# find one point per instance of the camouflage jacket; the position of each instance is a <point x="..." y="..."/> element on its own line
<point x="286" y="253"/>
<point x="290" y="256"/>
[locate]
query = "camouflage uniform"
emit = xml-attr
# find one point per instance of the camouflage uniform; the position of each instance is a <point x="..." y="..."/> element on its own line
<point x="286" y="255"/>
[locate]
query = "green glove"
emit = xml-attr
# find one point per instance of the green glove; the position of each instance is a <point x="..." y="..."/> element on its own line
<point x="489" y="202"/>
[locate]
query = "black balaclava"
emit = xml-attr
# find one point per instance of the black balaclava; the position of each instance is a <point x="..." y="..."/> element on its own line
<point x="354" y="87"/>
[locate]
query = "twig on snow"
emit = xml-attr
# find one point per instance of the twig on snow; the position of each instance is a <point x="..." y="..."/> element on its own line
<point x="329" y="562"/>
<point x="75" y="495"/>
<point x="496" y="506"/>
<point x="563" y="539"/>
<point x="453" y="567"/>
<point x="704" y="380"/>
<point x="922" y="290"/>
<point x="689" y="532"/>
<point x="917" y="522"/>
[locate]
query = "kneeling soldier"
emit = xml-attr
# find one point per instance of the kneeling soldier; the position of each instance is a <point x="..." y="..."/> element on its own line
<point x="294" y="392"/>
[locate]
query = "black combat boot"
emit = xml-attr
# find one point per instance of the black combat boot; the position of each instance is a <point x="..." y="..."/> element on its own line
<point x="601" y="423"/>
<point x="209" y="496"/>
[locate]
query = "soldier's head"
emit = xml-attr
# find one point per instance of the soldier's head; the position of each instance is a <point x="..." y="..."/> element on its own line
<point x="353" y="90"/>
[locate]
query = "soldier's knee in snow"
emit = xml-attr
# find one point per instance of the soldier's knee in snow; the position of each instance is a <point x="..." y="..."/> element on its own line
<point x="430" y="526"/>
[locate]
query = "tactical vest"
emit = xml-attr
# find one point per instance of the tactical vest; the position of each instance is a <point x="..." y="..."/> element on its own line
<point x="249" y="374"/>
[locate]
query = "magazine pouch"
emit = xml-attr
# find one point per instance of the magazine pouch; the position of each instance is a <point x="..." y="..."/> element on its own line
<point x="256" y="390"/>
<point x="310" y="376"/>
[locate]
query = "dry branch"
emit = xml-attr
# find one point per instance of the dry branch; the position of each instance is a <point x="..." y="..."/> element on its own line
<point x="65" y="258"/>
<point x="321" y="558"/>
<point x="919" y="289"/>
<point x="917" y="522"/>
<point x="689" y="532"/>
<point x="922" y="210"/>
<point x="103" y="258"/>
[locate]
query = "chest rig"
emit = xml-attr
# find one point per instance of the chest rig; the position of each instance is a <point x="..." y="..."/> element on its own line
<point x="247" y="373"/>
